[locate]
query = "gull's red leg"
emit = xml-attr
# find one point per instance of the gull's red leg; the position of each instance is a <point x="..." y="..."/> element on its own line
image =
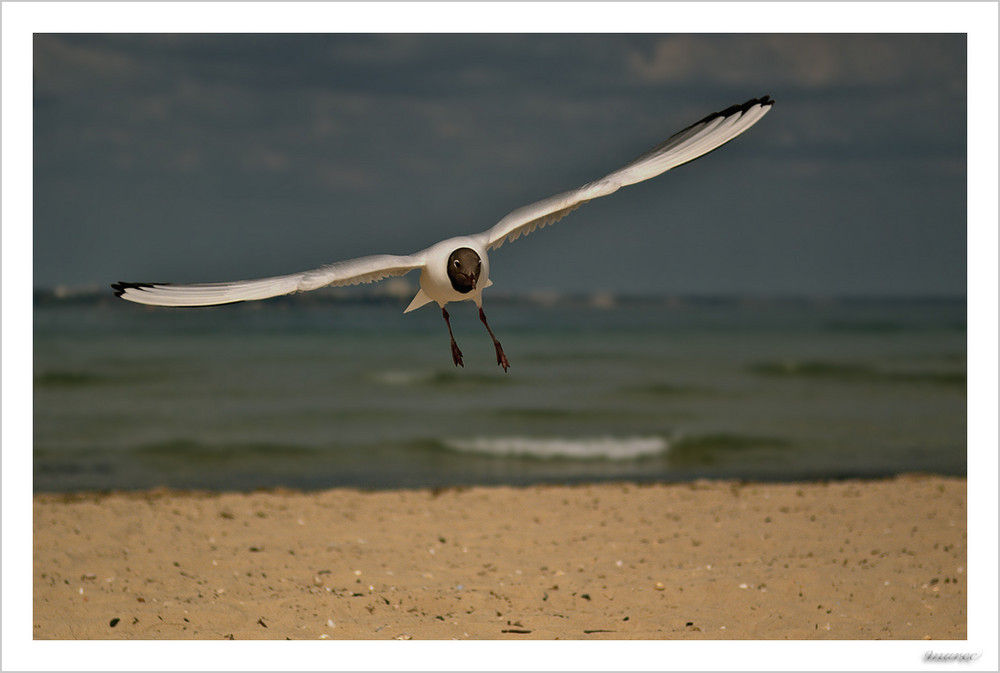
<point x="456" y="354"/>
<point x="501" y="358"/>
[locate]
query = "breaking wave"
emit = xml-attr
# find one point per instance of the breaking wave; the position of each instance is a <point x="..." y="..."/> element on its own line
<point x="596" y="448"/>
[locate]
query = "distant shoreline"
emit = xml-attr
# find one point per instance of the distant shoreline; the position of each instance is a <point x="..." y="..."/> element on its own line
<point x="401" y="289"/>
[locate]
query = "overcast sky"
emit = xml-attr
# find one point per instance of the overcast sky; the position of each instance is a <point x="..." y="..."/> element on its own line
<point x="217" y="157"/>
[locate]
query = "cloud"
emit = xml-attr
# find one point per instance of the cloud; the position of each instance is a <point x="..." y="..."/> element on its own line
<point x="802" y="61"/>
<point x="64" y="65"/>
<point x="367" y="143"/>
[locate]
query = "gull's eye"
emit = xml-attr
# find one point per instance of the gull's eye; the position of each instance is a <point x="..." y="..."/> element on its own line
<point x="458" y="264"/>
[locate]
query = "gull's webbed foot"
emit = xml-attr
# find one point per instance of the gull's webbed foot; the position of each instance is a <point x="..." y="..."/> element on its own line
<point x="456" y="354"/>
<point x="501" y="358"/>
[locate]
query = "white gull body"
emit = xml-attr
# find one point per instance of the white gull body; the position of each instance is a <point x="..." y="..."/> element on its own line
<point x="443" y="277"/>
<point x="435" y="283"/>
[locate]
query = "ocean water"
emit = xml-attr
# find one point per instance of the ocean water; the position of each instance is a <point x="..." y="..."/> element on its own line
<point x="322" y="393"/>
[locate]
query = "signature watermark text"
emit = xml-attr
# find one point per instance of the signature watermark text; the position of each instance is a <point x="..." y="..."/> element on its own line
<point x="951" y="657"/>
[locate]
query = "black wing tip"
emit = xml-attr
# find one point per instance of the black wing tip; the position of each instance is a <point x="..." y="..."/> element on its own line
<point x="121" y="287"/>
<point x="763" y="101"/>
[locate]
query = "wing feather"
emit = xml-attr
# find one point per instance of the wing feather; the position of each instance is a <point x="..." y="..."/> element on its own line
<point x="349" y="272"/>
<point x="692" y="142"/>
<point x="695" y="141"/>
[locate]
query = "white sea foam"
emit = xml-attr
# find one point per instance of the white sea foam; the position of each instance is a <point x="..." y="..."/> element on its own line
<point x="396" y="377"/>
<point x="595" y="448"/>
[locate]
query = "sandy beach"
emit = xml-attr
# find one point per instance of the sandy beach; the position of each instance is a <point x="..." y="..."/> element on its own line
<point x="879" y="559"/>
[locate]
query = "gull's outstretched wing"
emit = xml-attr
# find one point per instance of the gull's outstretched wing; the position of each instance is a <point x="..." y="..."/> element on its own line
<point x="349" y="272"/>
<point x="696" y="140"/>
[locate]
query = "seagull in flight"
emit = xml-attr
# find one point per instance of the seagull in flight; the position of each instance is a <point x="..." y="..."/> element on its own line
<point x="458" y="269"/>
